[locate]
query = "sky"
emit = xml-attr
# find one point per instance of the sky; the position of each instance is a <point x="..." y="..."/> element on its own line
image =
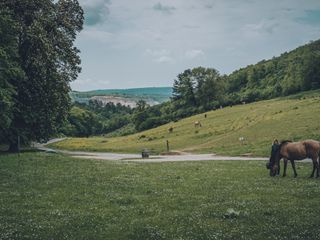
<point x="147" y="43"/>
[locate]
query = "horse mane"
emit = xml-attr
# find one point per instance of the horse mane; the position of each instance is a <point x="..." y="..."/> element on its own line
<point x="284" y="142"/>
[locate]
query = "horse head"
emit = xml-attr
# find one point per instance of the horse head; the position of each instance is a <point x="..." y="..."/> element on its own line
<point x="273" y="164"/>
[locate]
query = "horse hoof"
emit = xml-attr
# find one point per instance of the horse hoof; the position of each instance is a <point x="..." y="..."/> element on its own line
<point x="295" y="176"/>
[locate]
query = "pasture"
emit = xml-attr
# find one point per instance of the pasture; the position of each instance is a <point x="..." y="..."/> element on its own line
<point x="293" y="118"/>
<point x="51" y="196"/>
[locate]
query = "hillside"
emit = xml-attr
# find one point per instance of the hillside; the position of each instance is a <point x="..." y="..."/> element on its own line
<point x="152" y="95"/>
<point x="295" y="117"/>
<point x="289" y="73"/>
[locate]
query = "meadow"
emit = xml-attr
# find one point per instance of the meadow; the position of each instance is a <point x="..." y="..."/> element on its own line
<point x="51" y="196"/>
<point x="290" y="118"/>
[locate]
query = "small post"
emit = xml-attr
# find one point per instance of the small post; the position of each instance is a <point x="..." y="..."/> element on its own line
<point x="168" y="149"/>
<point x="18" y="145"/>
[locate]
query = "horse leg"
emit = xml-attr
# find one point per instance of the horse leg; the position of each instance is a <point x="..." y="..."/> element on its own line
<point x="285" y="162"/>
<point x="314" y="159"/>
<point x="318" y="170"/>
<point x="315" y="166"/>
<point x="294" y="168"/>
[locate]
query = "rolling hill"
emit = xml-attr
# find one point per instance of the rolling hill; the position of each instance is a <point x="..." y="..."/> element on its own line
<point x="152" y="95"/>
<point x="295" y="117"/>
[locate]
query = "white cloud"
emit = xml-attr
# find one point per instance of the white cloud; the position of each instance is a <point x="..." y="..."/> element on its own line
<point x="160" y="55"/>
<point x="191" y="54"/>
<point x="92" y="34"/>
<point x="164" y="59"/>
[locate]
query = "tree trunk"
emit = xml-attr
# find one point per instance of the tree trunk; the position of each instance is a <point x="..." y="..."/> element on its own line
<point x="13" y="148"/>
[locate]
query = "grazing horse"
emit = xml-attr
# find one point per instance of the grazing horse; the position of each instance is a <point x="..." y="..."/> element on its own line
<point x="197" y="124"/>
<point x="170" y="129"/>
<point x="295" y="151"/>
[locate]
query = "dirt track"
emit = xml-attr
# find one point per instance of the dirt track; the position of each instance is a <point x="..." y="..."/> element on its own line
<point x="153" y="159"/>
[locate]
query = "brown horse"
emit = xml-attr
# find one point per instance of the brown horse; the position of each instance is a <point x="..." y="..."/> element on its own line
<point x="295" y="151"/>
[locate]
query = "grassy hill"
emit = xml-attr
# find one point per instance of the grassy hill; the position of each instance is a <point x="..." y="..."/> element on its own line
<point x="295" y="117"/>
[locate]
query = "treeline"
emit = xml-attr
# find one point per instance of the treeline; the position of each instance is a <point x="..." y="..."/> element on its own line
<point x="96" y="118"/>
<point x="298" y="70"/>
<point x="202" y="89"/>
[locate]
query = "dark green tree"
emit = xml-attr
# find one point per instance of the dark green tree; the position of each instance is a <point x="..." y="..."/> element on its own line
<point x="49" y="60"/>
<point x="140" y="114"/>
<point x="8" y="69"/>
<point x="82" y="123"/>
<point x="183" y="89"/>
<point x="210" y="87"/>
<point x="199" y="88"/>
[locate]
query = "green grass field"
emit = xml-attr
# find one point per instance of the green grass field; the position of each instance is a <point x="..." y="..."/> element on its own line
<point x="294" y="118"/>
<point x="50" y="196"/>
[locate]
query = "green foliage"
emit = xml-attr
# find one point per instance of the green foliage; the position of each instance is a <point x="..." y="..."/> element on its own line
<point x="298" y="70"/>
<point x="95" y="119"/>
<point x="194" y="91"/>
<point x="9" y="69"/>
<point x="199" y="87"/>
<point x="50" y="196"/>
<point x="146" y="117"/>
<point x="82" y="123"/>
<point x="45" y="34"/>
<point x="140" y="115"/>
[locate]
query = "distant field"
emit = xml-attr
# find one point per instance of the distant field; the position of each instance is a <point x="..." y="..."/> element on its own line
<point x="150" y="95"/>
<point x="50" y="196"/>
<point x="294" y="118"/>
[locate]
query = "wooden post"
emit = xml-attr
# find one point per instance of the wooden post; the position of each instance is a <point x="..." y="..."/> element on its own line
<point x="18" y="145"/>
<point x="168" y="149"/>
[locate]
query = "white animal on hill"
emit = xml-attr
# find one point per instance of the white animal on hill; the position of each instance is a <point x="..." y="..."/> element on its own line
<point x="197" y="124"/>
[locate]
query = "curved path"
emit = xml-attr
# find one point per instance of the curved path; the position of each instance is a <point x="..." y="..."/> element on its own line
<point x="137" y="157"/>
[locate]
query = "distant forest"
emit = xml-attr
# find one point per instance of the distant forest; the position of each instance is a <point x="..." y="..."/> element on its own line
<point x="202" y="89"/>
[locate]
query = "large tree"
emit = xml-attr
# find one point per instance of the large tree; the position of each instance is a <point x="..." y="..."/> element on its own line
<point x="184" y="87"/>
<point x="198" y="87"/>
<point x="47" y="56"/>
<point x="9" y="69"/>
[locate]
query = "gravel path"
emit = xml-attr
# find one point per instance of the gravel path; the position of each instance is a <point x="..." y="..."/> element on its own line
<point x="137" y="157"/>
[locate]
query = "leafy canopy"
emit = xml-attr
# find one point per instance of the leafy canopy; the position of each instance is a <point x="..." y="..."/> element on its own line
<point x="46" y="30"/>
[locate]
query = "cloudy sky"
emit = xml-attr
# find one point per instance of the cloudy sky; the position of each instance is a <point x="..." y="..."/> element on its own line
<point x="147" y="43"/>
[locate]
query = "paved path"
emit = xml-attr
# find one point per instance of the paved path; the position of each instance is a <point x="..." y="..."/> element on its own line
<point x="137" y="157"/>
